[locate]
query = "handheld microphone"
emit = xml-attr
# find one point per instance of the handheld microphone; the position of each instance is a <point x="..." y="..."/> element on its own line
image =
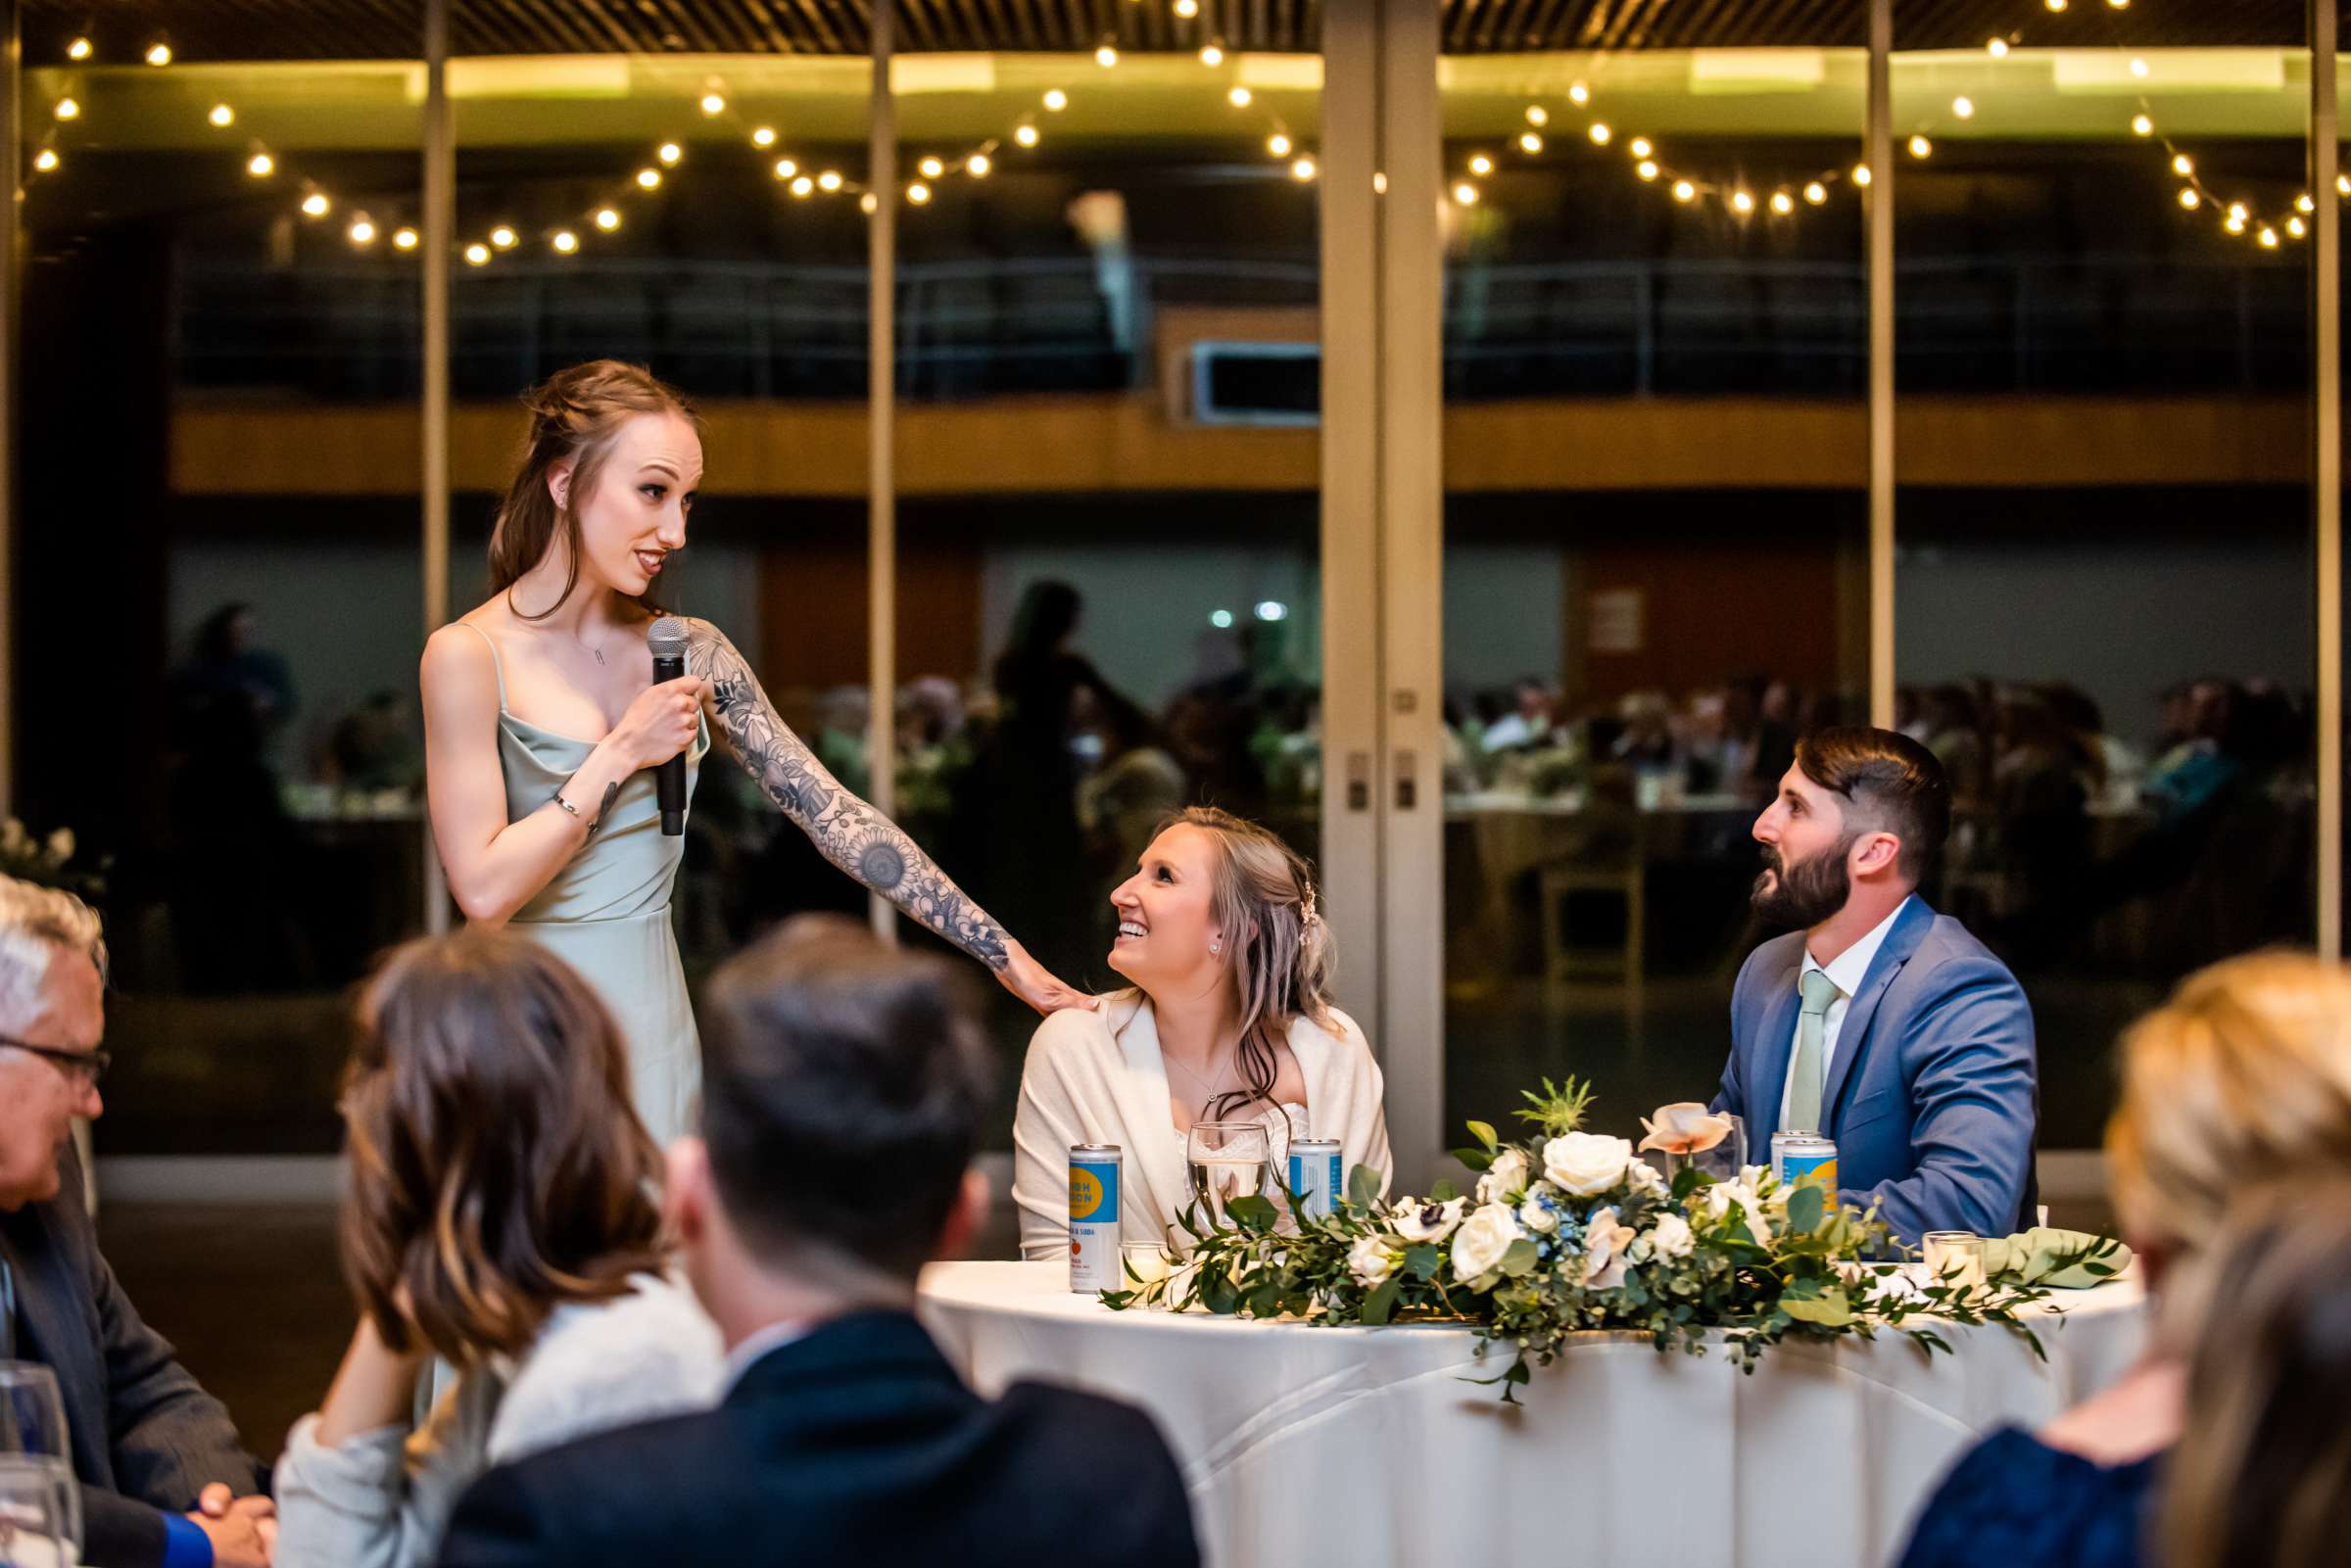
<point x="668" y="640"/>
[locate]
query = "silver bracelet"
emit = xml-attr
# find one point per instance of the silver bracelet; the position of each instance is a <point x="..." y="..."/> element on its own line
<point x="565" y="804"/>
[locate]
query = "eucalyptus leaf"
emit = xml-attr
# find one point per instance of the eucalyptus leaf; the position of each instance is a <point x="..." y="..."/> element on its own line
<point x="1444" y="1192"/>
<point x="1362" y="1187"/>
<point x="1421" y="1262"/>
<point x="1252" y="1213"/>
<point x="1829" y="1308"/>
<point x="1520" y="1258"/>
<point x="1805" y="1206"/>
<point x="1380" y="1303"/>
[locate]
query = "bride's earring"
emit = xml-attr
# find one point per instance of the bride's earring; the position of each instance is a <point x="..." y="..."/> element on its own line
<point x="1216" y="946"/>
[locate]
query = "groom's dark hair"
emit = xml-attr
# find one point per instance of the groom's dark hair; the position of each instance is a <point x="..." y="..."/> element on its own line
<point x="845" y="1083"/>
<point x="1889" y="783"/>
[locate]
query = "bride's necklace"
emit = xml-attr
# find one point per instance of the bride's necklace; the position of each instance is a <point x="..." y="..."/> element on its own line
<point x="1208" y="1089"/>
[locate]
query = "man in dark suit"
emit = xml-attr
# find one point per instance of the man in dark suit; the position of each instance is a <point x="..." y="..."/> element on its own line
<point x="165" y="1482"/>
<point x="844" y="1084"/>
<point x="1876" y="1021"/>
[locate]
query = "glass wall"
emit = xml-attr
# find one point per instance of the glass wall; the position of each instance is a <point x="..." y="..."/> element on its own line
<point x="1108" y="467"/>
<point x="1655" y="559"/>
<point x="2104" y="572"/>
<point x="217" y="533"/>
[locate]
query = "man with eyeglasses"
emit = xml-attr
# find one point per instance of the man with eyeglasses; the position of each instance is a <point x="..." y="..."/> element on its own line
<point x="165" y="1483"/>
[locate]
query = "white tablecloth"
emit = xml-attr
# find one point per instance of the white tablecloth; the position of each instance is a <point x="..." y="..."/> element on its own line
<point x="1307" y="1446"/>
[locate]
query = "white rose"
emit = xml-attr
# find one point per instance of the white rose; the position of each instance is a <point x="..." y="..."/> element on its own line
<point x="1506" y="1177"/>
<point x="1670" y="1237"/>
<point x="1482" y="1241"/>
<point x="1586" y="1164"/>
<point x="1605" y="1245"/>
<point x="1644" y="1178"/>
<point x="1416" y="1222"/>
<point x="1538" y="1217"/>
<point x="1370" y="1261"/>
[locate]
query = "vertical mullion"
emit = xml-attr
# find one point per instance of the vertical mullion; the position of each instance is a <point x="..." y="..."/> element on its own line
<point x="882" y="496"/>
<point x="440" y="233"/>
<point x="1411" y="481"/>
<point x="1349" y="328"/>
<point x="1880" y="266"/>
<point x="2327" y="467"/>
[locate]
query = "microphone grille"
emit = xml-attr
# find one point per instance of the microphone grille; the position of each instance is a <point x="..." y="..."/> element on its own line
<point x="667" y="639"/>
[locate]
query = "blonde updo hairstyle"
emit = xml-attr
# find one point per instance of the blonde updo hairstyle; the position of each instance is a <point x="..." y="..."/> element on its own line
<point x="2243" y="1075"/>
<point x="1276" y="941"/>
<point x="576" y="416"/>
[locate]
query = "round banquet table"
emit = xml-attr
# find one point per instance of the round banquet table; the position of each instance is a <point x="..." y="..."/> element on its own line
<point x="1303" y="1446"/>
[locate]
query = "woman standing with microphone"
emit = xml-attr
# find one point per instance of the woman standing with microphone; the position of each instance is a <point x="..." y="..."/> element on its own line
<point x="541" y="729"/>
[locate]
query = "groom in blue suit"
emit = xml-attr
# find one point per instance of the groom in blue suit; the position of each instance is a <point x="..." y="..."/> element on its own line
<point x="1875" y="1019"/>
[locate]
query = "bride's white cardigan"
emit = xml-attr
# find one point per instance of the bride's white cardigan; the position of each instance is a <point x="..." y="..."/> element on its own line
<point x="1097" y="1078"/>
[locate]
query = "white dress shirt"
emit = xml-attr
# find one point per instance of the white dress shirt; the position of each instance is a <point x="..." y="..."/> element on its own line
<point x="1846" y="973"/>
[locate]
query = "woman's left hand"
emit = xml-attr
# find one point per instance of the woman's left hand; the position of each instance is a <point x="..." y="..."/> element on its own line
<point x="1024" y="978"/>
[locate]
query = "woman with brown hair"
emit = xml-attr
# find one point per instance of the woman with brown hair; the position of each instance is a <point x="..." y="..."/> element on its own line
<point x="542" y="724"/>
<point x="2262" y="1475"/>
<point x="2243" y="1075"/>
<point x="501" y="1213"/>
<point x="1230" y="1019"/>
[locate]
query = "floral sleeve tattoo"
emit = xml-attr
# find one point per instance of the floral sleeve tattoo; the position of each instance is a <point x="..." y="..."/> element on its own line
<point x="847" y="832"/>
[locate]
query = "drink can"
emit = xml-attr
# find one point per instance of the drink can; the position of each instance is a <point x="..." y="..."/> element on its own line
<point x="1798" y="1156"/>
<point x="1094" y="1219"/>
<point x="1316" y="1176"/>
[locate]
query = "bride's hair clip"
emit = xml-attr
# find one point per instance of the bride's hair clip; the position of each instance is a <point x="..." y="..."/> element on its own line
<point x="1307" y="916"/>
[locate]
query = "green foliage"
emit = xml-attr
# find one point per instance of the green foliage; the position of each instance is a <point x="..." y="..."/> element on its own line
<point x="1558" y="1110"/>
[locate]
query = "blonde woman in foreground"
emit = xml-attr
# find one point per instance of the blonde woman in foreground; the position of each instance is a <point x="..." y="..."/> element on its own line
<point x="1228" y="1020"/>
<point x="2246" y="1074"/>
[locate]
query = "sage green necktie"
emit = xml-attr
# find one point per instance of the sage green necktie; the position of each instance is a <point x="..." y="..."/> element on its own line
<point x="1811" y="1030"/>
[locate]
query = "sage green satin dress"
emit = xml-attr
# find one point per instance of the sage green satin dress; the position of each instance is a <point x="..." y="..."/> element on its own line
<point x="606" y="912"/>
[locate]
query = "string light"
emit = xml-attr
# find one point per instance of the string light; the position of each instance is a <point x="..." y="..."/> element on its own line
<point x="2142" y="126"/>
<point x="1303" y="170"/>
<point x="1684" y="191"/>
<point x="1186" y="10"/>
<point x="765" y="137"/>
<point x="1920" y="147"/>
<point x="2268" y="238"/>
<point x="1239" y="97"/>
<point x="1964" y="107"/>
<point x="713" y="105"/>
<point x="1816" y="193"/>
<point x="1025" y="135"/>
<point x="503" y="237"/>
<point x="1481" y="165"/>
<point x="405" y="238"/>
<point x="1579" y="95"/>
<point x="1782" y="202"/>
<point x="1530" y="142"/>
<point x="1861" y="174"/>
<point x="78" y="49"/>
<point x="932" y="167"/>
<point x="2296" y="227"/>
<point x="918" y="193"/>
<point x="316" y="205"/>
<point x="2303" y="204"/>
<point x="1742" y="202"/>
<point x="607" y="218"/>
<point x="566" y="242"/>
<point x="649" y="178"/>
<point x="1211" y="54"/>
<point x="1278" y="145"/>
<point x="2343" y="185"/>
<point x="477" y="255"/>
<point x="66" y="109"/>
<point x="1646" y="168"/>
<point x="1057" y="100"/>
<point x="159" y="52"/>
<point x="46" y="160"/>
<point x="1641" y="147"/>
<point x="1601" y="133"/>
<point x="786" y="169"/>
<point x="362" y="231"/>
<point x="669" y="152"/>
<point x="1536" y="115"/>
<point x="869" y="203"/>
<point x="1998" y="48"/>
<point x="261" y="166"/>
<point x="1106" y="57"/>
<point x="2139" y="68"/>
<point x="977" y="166"/>
<point x="2190" y="199"/>
<point x="2056" y="5"/>
<point x="802" y="185"/>
<point x="223" y="117"/>
<point x="829" y="181"/>
<point x="2184" y="165"/>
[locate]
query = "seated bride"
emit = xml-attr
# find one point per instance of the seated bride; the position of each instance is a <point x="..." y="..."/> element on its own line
<point x="1230" y="1019"/>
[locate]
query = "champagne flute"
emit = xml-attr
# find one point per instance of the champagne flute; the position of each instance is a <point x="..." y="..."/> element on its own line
<point x="34" y="1440"/>
<point x="32" y="1532"/>
<point x="1230" y="1160"/>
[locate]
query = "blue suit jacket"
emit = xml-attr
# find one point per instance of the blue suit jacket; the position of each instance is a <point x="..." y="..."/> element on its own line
<point x="1933" y="1096"/>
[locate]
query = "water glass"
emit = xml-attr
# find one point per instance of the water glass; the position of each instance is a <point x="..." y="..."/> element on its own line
<point x="33" y="1525"/>
<point x="1230" y="1160"/>
<point x="1954" y="1258"/>
<point x="34" y="1436"/>
<point x="1727" y="1158"/>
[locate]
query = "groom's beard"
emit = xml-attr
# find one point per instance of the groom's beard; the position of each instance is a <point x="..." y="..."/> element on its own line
<point x="1800" y="897"/>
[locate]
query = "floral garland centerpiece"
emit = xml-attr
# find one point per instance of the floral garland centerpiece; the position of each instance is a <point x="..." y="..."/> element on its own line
<point x="1569" y="1231"/>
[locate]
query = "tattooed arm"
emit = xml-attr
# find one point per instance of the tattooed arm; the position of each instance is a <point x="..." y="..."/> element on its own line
<point x="852" y="833"/>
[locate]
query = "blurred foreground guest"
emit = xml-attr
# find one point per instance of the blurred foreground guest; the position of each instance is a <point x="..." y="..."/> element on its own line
<point x="1230" y="1019"/>
<point x="1875" y="1019"/>
<point x="158" y="1461"/>
<point x="500" y="1214"/>
<point x="2262" y="1475"/>
<point x="846" y="1083"/>
<point x="2244" y="1075"/>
